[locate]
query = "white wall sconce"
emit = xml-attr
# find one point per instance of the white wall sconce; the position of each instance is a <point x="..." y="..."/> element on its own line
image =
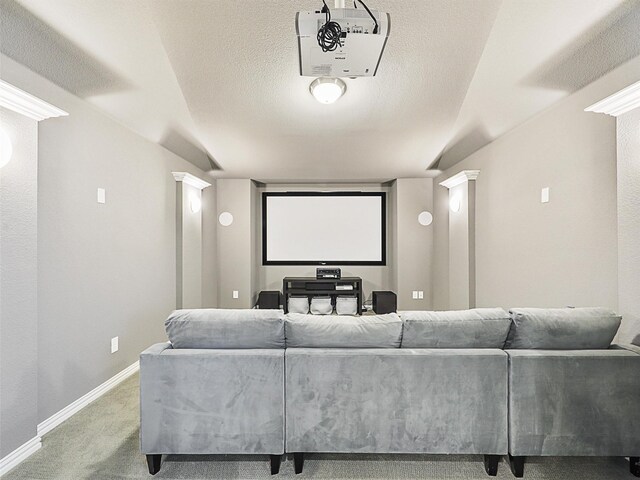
<point x="195" y="204"/>
<point x="327" y="90"/>
<point x="454" y="203"/>
<point x="425" y="218"/>
<point x="6" y="149"/>
<point x="225" y="219"/>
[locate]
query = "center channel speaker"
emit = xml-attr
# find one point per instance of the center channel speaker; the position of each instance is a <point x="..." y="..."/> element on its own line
<point x="384" y="302"/>
<point x="269" y="299"/>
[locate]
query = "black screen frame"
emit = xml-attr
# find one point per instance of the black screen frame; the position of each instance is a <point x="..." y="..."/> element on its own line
<point x="383" y="223"/>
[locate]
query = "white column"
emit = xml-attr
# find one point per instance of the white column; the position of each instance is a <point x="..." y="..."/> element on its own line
<point x="462" y="239"/>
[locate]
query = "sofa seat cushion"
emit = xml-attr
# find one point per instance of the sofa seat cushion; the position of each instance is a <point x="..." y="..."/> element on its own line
<point x="222" y="328"/>
<point x="343" y="331"/>
<point x="562" y="328"/>
<point x="477" y="328"/>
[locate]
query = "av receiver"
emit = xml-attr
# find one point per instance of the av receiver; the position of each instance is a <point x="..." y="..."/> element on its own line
<point x="327" y="273"/>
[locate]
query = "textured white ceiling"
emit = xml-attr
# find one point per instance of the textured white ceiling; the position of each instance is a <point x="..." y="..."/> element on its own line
<point x="217" y="81"/>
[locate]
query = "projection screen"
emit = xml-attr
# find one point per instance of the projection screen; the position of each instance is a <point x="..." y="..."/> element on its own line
<point x="323" y="228"/>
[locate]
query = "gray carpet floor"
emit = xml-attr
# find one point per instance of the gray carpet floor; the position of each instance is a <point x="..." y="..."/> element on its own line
<point x="101" y="442"/>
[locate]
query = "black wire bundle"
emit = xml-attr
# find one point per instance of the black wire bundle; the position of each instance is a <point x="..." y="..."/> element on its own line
<point x="330" y="33"/>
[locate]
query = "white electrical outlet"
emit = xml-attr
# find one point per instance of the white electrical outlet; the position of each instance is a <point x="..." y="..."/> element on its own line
<point x="544" y="195"/>
<point x="420" y="294"/>
<point x="236" y="294"/>
<point x="102" y="195"/>
<point x="114" y="345"/>
<point x="414" y="294"/>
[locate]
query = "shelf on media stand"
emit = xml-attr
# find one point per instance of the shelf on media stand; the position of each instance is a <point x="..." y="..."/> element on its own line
<point x="311" y="287"/>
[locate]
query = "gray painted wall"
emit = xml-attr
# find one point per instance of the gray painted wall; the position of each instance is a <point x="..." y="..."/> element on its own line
<point x="103" y="270"/>
<point x="18" y="285"/>
<point x="234" y="243"/>
<point x="563" y="252"/>
<point x="628" y="128"/>
<point x="414" y="243"/>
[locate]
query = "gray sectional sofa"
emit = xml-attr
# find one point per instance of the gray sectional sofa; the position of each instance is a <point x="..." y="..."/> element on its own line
<point x="533" y="382"/>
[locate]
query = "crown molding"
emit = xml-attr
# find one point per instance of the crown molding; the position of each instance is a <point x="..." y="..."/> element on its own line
<point x="190" y="180"/>
<point x="621" y="102"/>
<point x="26" y="104"/>
<point x="460" y="178"/>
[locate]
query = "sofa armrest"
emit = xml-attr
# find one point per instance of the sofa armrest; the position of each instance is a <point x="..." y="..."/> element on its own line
<point x="625" y="346"/>
<point x="156" y="349"/>
<point x="208" y="401"/>
<point x="574" y="402"/>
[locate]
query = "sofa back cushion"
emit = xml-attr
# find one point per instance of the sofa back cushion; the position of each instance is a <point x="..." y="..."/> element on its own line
<point x="343" y="331"/>
<point x="562" y="328"/>
<point x="225" y="329"/>
<point x="477" y="328"/>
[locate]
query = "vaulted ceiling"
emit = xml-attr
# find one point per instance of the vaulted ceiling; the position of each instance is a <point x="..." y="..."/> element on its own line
<point x="217" y="81"/>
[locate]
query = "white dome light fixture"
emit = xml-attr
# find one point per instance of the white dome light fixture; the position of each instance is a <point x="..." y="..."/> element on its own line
<point x="6" y="149"/>
<point x="327" y="90"/>
<point x="425" y="218"/>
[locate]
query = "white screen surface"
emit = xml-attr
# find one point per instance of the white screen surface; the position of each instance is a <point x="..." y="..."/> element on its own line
<point x="324" y="228"/>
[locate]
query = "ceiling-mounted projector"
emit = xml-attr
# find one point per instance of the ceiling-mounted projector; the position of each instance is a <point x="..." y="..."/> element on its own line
<point x="341" y="42"/>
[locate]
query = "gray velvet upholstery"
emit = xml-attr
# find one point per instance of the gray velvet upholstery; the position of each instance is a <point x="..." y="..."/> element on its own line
<point x="574" y="403"/>
<point x="222" y="328"/>
<point x="342" y="331"/>
<point x="562" y="328"/>
<point x="477" y="328"/>
<point x="211" y="401"/>
<point x="396" y="401"/>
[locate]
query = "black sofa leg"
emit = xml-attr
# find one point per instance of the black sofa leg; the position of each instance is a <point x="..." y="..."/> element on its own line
<point x="298" y="462"/>
<point x="634" y="466"/>
<point x="491" y="464"/>
<point x="517" y="465"/>
<point x="275" y="464"/>
<point x="153" y="461"/>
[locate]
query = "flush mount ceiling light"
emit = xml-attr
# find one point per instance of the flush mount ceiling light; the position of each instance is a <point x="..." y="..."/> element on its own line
<point x="327" y="90"/>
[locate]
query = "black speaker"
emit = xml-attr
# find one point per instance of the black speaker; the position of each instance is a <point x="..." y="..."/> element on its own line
<point x="384" y="302"/>
<point x="269" y="299"/>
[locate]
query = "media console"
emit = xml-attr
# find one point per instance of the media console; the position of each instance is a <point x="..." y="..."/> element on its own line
<point x="311" y="287"/>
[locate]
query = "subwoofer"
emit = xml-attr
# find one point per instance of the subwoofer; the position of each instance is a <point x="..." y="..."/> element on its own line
<point x="269" y="299"/>
<point x="384" y="302"/>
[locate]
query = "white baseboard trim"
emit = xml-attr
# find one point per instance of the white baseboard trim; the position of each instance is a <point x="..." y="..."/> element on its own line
<point x="19" y="454"/>
<point x="56" y="419"/>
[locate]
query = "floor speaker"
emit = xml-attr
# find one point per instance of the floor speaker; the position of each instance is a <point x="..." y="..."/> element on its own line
<point x="269" y="299"/>
<point x="384" y="302"/>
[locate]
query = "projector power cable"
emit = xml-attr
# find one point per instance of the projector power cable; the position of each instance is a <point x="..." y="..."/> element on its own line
<point x="330" y="33"/>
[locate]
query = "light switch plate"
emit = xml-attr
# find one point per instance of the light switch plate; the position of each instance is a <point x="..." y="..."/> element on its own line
<point x="114" y="344"/>
<point x="102" y="196"/>
<point x="420" y="294"/>
<point x="544" y="195"/>
<point x="414" y="295"/>
<point x="236" y="294"/>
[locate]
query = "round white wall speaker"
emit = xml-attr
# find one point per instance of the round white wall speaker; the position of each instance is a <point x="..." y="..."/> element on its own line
<point x="425" y="218"/>
<point x="225" y="219"/>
